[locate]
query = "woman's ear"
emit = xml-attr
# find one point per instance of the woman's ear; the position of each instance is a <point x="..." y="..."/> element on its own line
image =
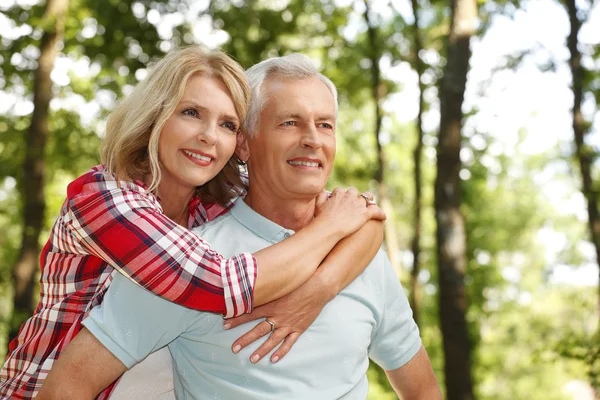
<point x="241" y="149"/>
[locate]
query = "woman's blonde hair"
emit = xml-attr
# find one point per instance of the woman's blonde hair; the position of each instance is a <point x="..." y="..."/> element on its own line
<point x="130" y="150"/>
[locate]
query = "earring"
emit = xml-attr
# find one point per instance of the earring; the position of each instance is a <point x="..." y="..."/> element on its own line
<point x="239" y="161"/>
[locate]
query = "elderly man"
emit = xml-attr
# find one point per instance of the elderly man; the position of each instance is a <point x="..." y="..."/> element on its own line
<point x="291" y="147"/>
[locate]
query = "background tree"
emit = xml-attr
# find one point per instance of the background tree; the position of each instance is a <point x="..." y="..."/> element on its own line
<point x="530" y="328"/>
<point x="419" y="66"/>
<point x="451" y="237"/>
<point x="32" y="184"/>
<point x="56" y="141"/>
<point x="378" y="90"/>
<point x="584" y="153"/>
<point x="585" y="156"/>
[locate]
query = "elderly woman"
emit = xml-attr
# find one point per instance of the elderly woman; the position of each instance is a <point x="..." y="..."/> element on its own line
<point x="168" y="166"/>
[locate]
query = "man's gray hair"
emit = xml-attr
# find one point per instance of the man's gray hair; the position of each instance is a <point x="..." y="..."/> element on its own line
<point x="292" y="66"/>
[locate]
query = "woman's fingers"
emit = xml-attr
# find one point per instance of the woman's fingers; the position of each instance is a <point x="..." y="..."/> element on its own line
<point x="275" y="339"/>
<point x="368" y="196"/>
<point x="251" y="336"/>
<point x="352" y="191"/>
<point x="242" y="319"/>
<point x="375" y="212"/>
<point x="289" y="341"/>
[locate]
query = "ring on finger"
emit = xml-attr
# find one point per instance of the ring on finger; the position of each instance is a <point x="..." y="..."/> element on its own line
<point x="272" y="324"/>
<point x="368" y="200"/>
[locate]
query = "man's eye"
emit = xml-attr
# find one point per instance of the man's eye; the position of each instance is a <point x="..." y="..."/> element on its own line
<point x="289" y="123"/>
<point x="190" y="112"/>
<point x="231" y="126"/>
<point x="326" y="125"/>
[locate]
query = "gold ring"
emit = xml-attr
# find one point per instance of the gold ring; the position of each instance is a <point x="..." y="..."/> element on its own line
<point x="271" y="323"/>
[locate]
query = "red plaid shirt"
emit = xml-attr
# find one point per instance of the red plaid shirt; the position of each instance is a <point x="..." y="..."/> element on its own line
<point x="105" y="227"/>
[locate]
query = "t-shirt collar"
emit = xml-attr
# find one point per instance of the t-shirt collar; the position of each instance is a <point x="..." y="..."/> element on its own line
<point x="259" y="225"/>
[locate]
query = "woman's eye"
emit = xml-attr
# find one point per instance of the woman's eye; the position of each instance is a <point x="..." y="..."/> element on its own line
<point x="231" y="126"/>
<point x="190" y="112"/>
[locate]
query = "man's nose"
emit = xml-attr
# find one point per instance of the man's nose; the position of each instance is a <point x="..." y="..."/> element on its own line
<point x="311" y="138"/>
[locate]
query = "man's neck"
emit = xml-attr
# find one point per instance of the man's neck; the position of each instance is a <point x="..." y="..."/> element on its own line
<point x="290" y="214"/>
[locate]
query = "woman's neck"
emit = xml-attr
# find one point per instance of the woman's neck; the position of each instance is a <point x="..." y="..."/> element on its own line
<point x="175" y="202"/>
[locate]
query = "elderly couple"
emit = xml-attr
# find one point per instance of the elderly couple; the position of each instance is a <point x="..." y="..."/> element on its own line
<point x="171" y="234"/>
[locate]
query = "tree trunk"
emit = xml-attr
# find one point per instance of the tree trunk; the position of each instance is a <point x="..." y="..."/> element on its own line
<point x="390" y="234"/>
<point x="415" y="289"/>
<point x="451" y="238"/>
<point x="584" y="153"/>
<point x="32" y="185"/>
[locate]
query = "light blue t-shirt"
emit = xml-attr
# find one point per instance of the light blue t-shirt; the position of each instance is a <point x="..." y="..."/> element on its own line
<point x="371" y="318"/>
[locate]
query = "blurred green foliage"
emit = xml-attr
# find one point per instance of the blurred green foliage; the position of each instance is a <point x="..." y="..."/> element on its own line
<point x="530" y="336"/>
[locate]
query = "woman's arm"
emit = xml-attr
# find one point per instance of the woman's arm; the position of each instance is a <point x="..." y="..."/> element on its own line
<point x="86" y="367"/>
<point x="124" y="226"/>
<point x="294" y="313"/>
<point x="313" y="246"/>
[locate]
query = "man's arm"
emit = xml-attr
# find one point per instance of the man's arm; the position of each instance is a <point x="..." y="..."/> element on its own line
<point x="82" y="371"/>
<point x="396" y="345"/>
<point x="130" y="324"/>
<point x="415" y="380"/>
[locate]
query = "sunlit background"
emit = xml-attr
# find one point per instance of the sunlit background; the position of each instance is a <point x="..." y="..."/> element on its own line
<point x="532" y="273"/>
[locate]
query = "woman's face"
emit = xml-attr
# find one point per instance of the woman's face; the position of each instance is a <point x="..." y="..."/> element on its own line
<point x="199" y="137"/>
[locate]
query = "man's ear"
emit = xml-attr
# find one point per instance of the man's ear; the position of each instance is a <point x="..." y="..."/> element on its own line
<point x="241" y="149"/>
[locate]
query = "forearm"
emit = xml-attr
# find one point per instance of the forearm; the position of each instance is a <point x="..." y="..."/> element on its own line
<point x="82" y="371"/>
<point x="69" y="391"/>
<point x="432" y="392"/>
<point x="284" y="267"/>
<point x="415" y="380"/>
<point x="349" y="258"/>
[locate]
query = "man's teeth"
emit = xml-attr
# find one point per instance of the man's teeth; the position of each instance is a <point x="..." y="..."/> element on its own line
<point x="198" y="156"/>
<point x="304" y="163"/>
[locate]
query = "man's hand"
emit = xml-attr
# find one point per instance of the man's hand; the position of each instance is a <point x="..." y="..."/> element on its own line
<point x="292" y="315"/>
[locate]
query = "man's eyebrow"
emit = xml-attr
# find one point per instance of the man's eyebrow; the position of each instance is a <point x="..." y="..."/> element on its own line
<point x="292" y="115"/>
<point x="325" y="117"/>
<point x="192" y="103"/>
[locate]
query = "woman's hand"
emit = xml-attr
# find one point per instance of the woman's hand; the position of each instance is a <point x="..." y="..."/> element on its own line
<point x="294" y="313"/>
<point x="291" y="314"/>
<point x="349" y="209"/>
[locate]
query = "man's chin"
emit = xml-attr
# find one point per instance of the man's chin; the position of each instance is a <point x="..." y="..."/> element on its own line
<point x="308" y="190"/>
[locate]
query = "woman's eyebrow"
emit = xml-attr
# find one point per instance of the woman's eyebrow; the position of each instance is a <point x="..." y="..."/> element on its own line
<point x="187" y="103"/>
<point x="193" y="104"/>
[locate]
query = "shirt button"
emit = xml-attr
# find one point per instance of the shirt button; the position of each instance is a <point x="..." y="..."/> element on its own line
<point x="286" y="235"/>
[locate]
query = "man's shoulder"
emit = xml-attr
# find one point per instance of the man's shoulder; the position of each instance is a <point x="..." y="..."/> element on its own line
<point x="229" y="235"/>
<point x="221" y="222"/>
<point x="124" y="293"/>
<point x="381" y="274"/>
<point x="378" y="264"/>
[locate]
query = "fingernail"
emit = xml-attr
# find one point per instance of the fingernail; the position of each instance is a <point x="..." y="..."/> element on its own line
<point x="274" y="359"/>
<point x="237" y="348"/>
<point x="226" y="325"/>
<point x="254" y="358"/>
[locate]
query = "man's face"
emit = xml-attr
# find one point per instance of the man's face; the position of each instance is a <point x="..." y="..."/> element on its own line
<point x="292" y="154"/>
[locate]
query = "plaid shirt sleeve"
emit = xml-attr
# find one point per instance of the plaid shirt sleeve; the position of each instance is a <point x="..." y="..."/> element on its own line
<point x="124" y="225"/>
